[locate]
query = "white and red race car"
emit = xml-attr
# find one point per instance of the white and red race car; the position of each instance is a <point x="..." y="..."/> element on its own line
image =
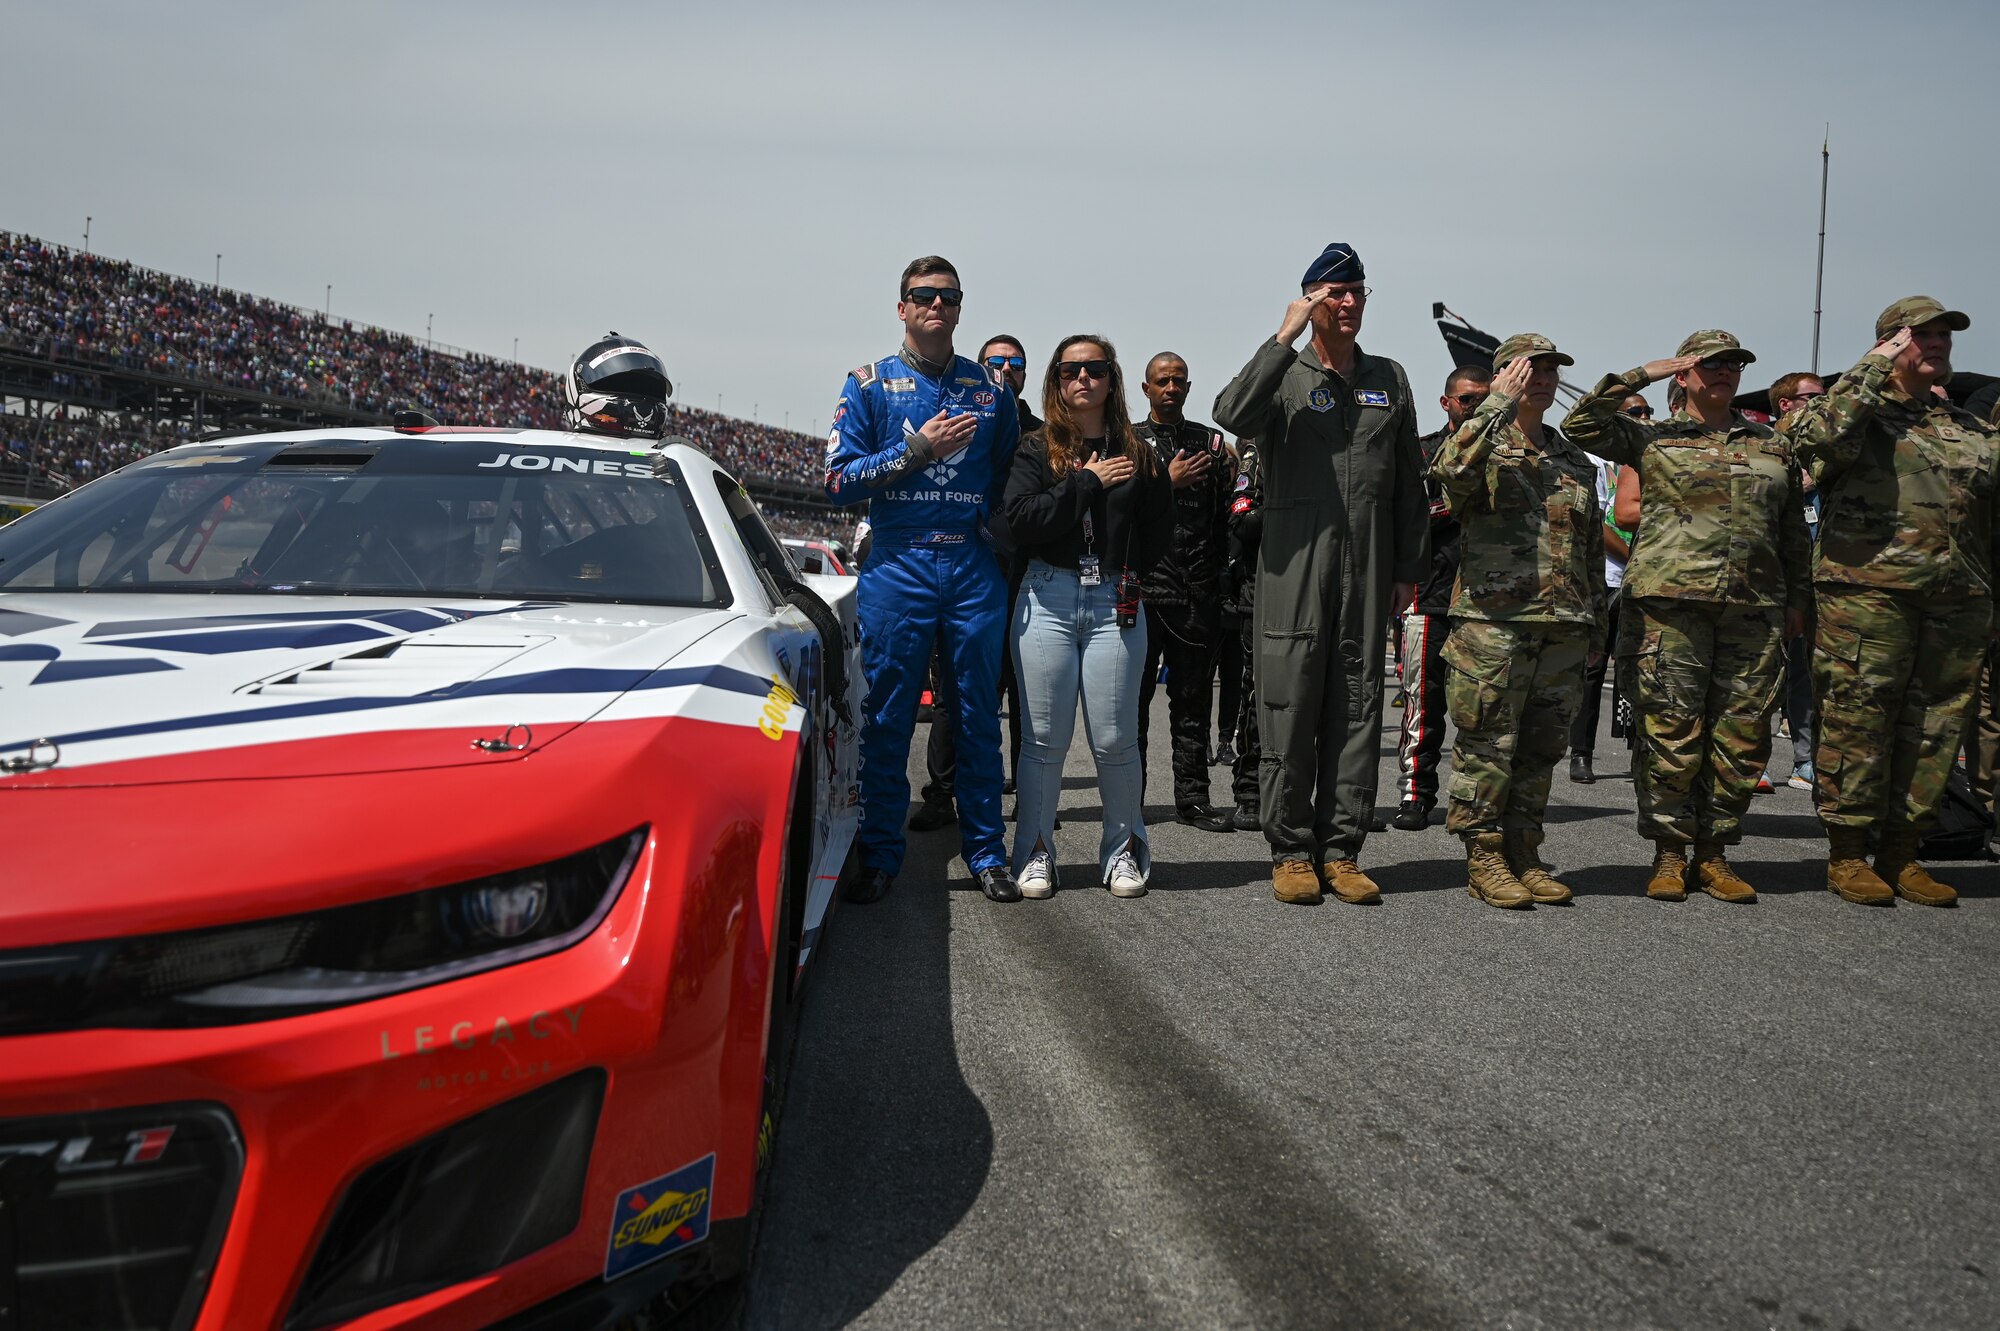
<point x="412" y="844"/>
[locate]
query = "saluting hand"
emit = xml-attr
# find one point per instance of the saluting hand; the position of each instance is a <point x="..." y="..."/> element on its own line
<point x="1185" y="470"/>
<point x="1299" y="313"/>
<point x="1893" y="345"/>
<point x="1513" y="381"/>
<point x="1657" y="370"/>
<point x="1111" y="471"/>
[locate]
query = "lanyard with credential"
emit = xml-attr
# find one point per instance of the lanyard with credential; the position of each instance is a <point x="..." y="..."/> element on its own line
<point x="1089" y="569"/>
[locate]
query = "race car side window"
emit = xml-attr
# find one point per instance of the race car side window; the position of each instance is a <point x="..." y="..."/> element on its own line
<point x="774" y="565"/>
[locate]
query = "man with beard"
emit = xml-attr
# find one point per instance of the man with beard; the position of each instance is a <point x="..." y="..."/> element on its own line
<point x="1183" y="592"/>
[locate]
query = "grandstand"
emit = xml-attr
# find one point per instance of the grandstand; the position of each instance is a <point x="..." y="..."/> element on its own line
<point x="103" y="362"/>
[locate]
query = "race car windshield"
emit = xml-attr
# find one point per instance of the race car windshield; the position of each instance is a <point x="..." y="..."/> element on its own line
<point x="464" y="519"/>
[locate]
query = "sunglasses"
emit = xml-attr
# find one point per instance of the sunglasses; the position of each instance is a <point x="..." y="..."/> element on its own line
<point x="1722" y="363"/>
<point x="1007" y="362"/>
<point x="925" y="295"/>
<point x="1640" y="413"/>
<point x="1468" y="399"/>
<point x="1076" y="369"/>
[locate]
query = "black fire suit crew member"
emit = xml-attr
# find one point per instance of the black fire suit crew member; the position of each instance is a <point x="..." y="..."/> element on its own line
<point x="1344" y="546"/>
<point x="1246" y="528"/>
<point x="1426" y="623"/>
<point x="1183" y="593"/>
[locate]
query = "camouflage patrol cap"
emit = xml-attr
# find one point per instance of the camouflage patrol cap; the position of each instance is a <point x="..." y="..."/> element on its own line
<point x="1915" y="311"/>
<point x="1711" y="343"/>
<point x="1530" y="345"/>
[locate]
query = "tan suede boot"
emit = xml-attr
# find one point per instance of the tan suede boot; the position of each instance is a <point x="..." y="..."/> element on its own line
<point x="1670" y="866"/>
<point x="1296" y="883"/>
<point x="1847" y="871"/>
<point x="1717" y="878"/>
<point x="1345" y="880"/>
<point x="1487" y="875"/>
<point x="1523" y="851"/>
<point x="1896" y="864"/>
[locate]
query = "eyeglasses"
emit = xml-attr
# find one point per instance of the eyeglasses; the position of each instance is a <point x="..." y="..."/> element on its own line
<point x="1348" y="295"/>
<point x="1007" y="362"/>
<point x="1076" y="369"/>
<point x="925" y="295"/>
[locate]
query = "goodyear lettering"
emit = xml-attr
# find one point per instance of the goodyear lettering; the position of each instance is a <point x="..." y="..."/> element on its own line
<point x="777" y="709"/>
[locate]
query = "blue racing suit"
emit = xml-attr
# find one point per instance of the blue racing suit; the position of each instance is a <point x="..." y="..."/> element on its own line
<point x="932" y="580"/>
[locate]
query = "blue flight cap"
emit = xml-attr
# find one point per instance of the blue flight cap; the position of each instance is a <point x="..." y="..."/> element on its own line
<point x="1336" y="263"/>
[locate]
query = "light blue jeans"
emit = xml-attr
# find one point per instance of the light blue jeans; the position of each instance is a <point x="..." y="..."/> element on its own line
<point x="1068" y="646"/>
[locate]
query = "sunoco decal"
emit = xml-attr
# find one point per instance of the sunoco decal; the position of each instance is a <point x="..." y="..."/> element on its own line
<point x="659" y="1218"/>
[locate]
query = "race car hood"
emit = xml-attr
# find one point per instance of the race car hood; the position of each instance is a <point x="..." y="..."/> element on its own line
<point x="138" y="689"/>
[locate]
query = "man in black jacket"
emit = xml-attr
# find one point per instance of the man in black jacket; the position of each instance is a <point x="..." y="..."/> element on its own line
<point x="1183" y="593"/>
<point x="1425" y="624"/>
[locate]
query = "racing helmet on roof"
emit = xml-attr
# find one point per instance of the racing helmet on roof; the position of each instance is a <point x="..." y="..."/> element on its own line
<point x="617" y="386"/>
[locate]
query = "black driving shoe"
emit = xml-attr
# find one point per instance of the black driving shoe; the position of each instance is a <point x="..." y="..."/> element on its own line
<point x="1207" y="819"/>
<point x="1579" y="769"/>
<point x="933" y="815"/>
<point x="1007" y="786"/>
<point x="868" y="887"/>
<point x="1225" y="756"/>
<point x="1246" y="820"/>
<point x="997" y="884"/>
<point x="1412" y="816"/>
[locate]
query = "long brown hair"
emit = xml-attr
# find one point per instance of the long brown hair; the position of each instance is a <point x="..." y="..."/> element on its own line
<point x="1059" y="427"/>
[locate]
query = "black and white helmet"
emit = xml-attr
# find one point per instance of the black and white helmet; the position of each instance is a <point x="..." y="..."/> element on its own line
<point x="617" y="386"/>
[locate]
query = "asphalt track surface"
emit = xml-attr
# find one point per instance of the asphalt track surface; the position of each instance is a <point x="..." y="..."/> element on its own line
<point x="1202" y="1108"/>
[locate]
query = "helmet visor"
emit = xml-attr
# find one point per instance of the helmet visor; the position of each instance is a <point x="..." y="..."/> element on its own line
<point x="629" y="370"/>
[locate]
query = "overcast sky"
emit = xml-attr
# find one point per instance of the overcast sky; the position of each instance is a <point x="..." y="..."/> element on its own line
<point x="740" y="184"/>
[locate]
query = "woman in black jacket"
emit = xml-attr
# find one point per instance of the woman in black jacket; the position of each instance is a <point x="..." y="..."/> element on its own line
<point x="1090" y="510"/>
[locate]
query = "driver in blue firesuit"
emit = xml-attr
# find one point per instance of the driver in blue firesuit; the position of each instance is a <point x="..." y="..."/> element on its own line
<point x="926" y="438"/>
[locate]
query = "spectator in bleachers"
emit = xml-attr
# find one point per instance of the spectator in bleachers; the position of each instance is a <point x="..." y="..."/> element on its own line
<point x="76" y="307"/>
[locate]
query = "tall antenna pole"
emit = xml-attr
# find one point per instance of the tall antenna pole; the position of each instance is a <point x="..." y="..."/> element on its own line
<point x="1819" y="276"/>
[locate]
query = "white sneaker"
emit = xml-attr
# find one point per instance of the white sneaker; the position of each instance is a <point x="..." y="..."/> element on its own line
<point x="1126" y="880"/>
<point x="1037" y="878"/>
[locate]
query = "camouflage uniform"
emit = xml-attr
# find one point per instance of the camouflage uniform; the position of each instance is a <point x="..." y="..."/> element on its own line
<point x="1721" y="554"/>
<point x="1905" y="584"/>
<point x="1529" y="606"/>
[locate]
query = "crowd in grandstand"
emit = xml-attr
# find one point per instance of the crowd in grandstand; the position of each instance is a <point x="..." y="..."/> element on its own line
<point x="73" y="307"/>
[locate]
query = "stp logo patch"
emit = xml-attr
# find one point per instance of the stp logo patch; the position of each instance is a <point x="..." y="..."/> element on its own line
<point x="984" y="397"/>
<point x="659" y="1218"/>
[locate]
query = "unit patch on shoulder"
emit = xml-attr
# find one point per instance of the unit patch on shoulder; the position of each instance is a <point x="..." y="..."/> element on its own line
<point x="899" y="385"/>
<point x="1320" y="399"/>
<point x="1243" y="481"/>
<point x="659" y="1218"/>
<point x="862" y="374"/>
<point x="1370" y="397"/>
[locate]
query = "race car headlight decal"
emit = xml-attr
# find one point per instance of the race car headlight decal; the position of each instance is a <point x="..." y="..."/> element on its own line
<point x="300" y="963"/>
